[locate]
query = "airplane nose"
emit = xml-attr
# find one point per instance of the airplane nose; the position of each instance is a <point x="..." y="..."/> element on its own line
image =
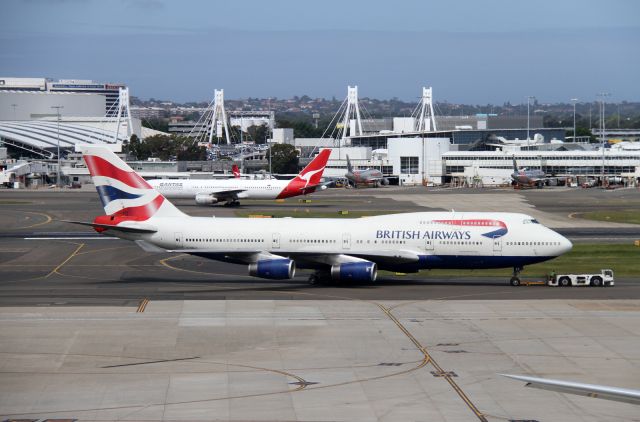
<point x="565" y="245"/>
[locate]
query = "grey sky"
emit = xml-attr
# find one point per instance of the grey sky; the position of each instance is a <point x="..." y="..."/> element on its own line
<point x="469" y="51"/>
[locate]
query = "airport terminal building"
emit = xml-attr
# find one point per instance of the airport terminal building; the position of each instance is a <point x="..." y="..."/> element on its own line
<point x="109" y="91"/>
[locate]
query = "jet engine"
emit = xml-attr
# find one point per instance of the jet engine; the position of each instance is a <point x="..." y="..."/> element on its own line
<point x="205" y="199"/>
<point x="384" y="182"/>
<point x="274" y="269"/>
<point x="355" y="271"/>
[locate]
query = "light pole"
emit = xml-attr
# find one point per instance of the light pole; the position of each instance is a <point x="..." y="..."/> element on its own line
<point x="602" y="96"/>
<point x="529" y="98"/>
<point x="270" y="144"/>
<point x="574" y="101"/>
<point x="58" y="107"/>
<point x="14" y="110"/>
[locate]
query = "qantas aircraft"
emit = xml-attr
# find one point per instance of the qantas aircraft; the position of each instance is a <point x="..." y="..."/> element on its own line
<point x="338" y="249"/>
<point x="527" y="177"/>
<point x="368" y="176"/>
<point x="236" y="171"/>
<point x="209" y="192"/>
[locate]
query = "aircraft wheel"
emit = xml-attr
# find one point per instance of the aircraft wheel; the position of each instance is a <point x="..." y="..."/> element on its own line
<point x="596" y="281"/>
<point x="564" y="281"/>
<point x="515" y="281"/>
<point x="314" y="279"/>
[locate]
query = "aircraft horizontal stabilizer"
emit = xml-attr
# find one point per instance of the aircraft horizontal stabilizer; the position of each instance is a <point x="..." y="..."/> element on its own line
<point x="127" y="228"/>
<point x="149" y="247"/>
<point x="311" y="188"/>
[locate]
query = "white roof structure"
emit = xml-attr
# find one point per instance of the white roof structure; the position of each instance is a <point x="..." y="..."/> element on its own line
<point x="41" y="136"/>
<point x="38" y="131"/>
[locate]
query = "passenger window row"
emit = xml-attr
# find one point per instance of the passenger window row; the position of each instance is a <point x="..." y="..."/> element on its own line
<point x="533" y="243"/>
<point x="460" y="242"/>
<point x="313" y="241"/>
<point x="225" y="240"/>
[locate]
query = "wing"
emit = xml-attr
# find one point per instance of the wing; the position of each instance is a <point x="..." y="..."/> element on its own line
<point x="384" y="258"/>
<point x="392" y="260"/>
<point x="589" y="390"/>
<point x="223" y="194"/>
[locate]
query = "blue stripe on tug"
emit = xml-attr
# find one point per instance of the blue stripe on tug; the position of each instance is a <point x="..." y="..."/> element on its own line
<point x="109" y="193"/>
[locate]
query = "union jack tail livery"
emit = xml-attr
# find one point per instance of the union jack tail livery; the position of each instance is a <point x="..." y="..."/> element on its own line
<point x="236" y="171"/>
<point x="125" y="195"/>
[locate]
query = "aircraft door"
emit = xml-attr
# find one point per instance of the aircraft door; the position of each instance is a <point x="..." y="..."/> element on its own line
<point x="428" y="245"/>
<point x="497" y="245"/>
<point x="346" y="241"/>
<point x="178" y="237"/>
<point x="275" y="241"/>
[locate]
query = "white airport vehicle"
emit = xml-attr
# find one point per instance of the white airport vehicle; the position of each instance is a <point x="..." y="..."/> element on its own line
<point x="602" y="279"/>
<point x="336" y="249"/>
<point x="230" y="191"/>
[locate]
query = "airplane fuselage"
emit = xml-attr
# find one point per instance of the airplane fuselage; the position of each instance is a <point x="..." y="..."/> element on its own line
<point x="252" y="189"/>
<point x="440" y="240"/>
<point x="364" y="176"/>
<point x="528" y="177"/>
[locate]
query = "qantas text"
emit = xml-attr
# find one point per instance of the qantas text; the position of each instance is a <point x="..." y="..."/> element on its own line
<point x="417" y="234"/>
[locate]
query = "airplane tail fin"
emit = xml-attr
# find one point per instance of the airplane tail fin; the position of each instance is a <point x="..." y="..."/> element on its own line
<point x="236" y="171"/>
<point x="312" y="173"/>
<point x="124" y="194"/>
<point x="349" y="168"/>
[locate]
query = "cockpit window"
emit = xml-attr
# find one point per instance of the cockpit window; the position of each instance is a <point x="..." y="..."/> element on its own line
<point x="530" y="221"/>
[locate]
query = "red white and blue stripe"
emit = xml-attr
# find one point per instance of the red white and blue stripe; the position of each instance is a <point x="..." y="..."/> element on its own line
<point x="499" y="227"/>
<point x="123" y="192"/>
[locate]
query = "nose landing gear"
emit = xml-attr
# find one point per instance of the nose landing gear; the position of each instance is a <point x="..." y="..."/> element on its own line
<point x="515" y="279"/>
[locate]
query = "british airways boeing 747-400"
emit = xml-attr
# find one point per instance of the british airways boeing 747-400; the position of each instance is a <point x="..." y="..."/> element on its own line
<point x="338" y="249"/>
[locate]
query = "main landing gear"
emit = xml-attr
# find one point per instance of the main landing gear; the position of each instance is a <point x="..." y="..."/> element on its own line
<point x="233" y="203"/>
<point x="515" y="279"/>
<point x="319" y="277"/>
<point x="314" y="279"/>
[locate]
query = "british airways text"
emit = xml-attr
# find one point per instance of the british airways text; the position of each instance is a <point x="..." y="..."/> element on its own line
<point x="417" y="234"/>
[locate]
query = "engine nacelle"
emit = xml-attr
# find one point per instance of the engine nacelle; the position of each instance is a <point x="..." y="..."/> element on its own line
<point x="355" y="271"/>
<point x="384" y="182"/>
<point x="274" y="269"/>
<point x="205" y="199"/>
